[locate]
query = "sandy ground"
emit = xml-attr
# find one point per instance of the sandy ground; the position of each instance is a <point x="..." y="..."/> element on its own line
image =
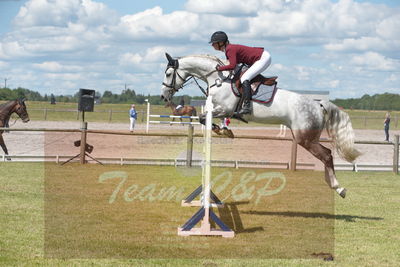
<point x="39" y="143"/>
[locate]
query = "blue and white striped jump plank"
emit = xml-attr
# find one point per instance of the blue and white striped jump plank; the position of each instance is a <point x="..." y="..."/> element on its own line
<point x="173" y="116"/>
<point x="175" y="122"/>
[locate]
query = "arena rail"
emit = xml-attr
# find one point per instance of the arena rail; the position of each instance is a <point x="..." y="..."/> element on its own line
<point x="190" y="136"/>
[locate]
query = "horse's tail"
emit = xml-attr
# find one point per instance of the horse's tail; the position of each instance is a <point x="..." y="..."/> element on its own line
<point x="341" y="131"/>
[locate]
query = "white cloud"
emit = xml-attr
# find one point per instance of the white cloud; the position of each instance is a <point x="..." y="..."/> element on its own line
<point x="393" y="78"/>
<point x="152" y="23"/>
<point x="361" y="44"/>
<point x="61" y="12"/>
<point x="129" y="59"/>
<point x="375" y="61"/>
<point x="389" y="28"/>
<point x="226" y="7"/>
<point x="52" y="66"/>
<point x="3" y="64"/>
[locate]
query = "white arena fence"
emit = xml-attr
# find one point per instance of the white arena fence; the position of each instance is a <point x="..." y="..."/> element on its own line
<point x="291" y="164"/>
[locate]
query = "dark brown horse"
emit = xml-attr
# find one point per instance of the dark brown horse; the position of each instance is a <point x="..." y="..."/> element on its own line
<point x="6" y="109"/>
<point x="183" y="111"/>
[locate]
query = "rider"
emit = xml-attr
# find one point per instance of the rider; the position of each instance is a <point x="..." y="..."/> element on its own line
<point x="256" y="58"/>
<point x="181" y="104"/>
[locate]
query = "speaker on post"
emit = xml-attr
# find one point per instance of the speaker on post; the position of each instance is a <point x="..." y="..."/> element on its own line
<point x="86" y="100"/>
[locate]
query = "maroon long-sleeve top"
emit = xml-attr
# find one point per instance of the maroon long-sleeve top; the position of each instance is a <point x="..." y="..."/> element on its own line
<point x="241" y="54"/>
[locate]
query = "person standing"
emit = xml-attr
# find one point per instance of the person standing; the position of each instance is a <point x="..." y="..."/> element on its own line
<point x="133" y="117"/>
<point x="386" y="124"/>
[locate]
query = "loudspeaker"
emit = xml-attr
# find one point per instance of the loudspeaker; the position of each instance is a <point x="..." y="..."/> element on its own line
<point x="86" y="100"/>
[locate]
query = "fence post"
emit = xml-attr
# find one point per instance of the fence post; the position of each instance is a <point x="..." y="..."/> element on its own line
<point x="396" y="155"/>
<point x="45" y="114"/>
<point x="293" y="158"/>
<point x="189" y="153"/>
<point x="83" y="142"/>
<point x="365" y="121"/>
<point x="110" y="116"/>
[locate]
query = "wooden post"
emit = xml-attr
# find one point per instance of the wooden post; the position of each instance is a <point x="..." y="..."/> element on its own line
<point x="110" y="116"/>
<point x="45" y="114"/>
<point x="83" y="142"/>
<point x="396" y="155"/>
<point x="293" y="158"/>
<point x="365" y="121"/>
<point x="189" y="153"/>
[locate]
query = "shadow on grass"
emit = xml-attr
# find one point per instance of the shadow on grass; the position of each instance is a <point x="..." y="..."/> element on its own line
<point x="347" y="218"/>
<point x="230" y="215"/>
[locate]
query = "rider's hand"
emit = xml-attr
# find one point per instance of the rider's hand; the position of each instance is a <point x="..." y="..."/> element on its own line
<point x="217" y="67"/>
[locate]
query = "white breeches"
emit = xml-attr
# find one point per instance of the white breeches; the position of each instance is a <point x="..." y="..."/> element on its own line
<point x="258" y="67"/>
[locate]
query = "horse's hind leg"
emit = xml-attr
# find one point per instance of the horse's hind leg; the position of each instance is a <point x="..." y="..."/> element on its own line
<point x="325" y="155"/>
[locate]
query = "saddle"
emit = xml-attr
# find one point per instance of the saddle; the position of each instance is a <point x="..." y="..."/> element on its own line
<point x="263" y="88"/>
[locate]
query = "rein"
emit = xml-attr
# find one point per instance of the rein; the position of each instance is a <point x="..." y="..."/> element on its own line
<point x="176" y="74"/>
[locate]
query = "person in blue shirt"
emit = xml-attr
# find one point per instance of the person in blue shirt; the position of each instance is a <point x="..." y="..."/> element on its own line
<point x="133" y="117"/>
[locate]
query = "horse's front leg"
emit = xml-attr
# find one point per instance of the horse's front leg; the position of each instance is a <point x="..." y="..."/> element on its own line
<point x="214" y="127"/>
<point x="3" y="146"/>
<point x="216" y="113"/>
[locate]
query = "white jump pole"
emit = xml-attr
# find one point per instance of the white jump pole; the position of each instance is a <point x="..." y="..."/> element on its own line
<point x="205" y="214"/>
<point x="148" y="116"/>
<point x="207" y="163"/>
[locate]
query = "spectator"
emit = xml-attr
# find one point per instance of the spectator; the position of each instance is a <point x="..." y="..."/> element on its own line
<point x="133" y="117"/>
<point x="386" y="123"/>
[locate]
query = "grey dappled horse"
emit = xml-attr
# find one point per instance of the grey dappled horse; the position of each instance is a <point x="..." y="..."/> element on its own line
<point x="305" y="117"/>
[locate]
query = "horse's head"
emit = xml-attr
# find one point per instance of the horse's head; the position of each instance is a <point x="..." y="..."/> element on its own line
<point x="20" y="109"/>
<point x="173" y="80"/>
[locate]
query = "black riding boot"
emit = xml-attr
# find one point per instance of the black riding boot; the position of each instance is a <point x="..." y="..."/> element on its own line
<point x="246" y="107"/>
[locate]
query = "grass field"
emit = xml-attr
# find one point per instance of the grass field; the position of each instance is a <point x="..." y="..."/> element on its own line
<point x="127" y="216"/>
<point x="361" y="119"/>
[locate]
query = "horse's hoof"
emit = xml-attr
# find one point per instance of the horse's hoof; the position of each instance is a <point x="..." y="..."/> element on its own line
<point x="343" y="193"/>
<point x="217" y="131"/>
<point x="228" y="133"/>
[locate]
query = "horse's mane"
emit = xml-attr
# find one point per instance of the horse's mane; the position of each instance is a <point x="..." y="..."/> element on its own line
<point x="211" y="57"/>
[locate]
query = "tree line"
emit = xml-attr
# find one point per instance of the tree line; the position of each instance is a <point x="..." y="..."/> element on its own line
<point x="126" y="96"/>
<point x="384" y="101"/>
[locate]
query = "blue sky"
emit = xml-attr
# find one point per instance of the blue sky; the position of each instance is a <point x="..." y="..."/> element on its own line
<point x="347" y="47"/>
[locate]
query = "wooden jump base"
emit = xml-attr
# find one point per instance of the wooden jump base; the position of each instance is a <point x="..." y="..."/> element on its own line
<point x="205" y="214"/>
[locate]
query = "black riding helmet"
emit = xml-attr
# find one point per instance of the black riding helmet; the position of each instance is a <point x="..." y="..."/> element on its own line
<point x="218" y="36"/>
